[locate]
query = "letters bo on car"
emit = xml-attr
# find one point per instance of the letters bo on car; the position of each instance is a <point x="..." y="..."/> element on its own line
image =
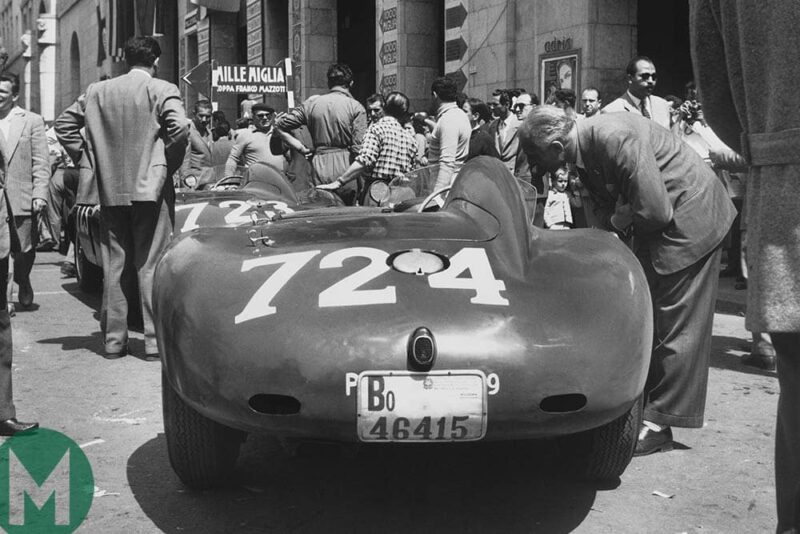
<point x="402" y="323"/>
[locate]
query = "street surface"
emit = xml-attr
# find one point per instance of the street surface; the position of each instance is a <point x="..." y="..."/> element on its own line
<point x="720" y="481"/>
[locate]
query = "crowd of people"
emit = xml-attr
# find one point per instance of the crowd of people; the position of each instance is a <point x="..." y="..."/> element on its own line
<point x="647" y="168"/>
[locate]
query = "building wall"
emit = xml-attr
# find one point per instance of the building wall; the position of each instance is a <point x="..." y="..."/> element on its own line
<point x="78" y="22"/>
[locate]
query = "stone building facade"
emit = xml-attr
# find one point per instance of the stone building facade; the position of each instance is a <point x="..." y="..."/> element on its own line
<point x="28" y="37"/>
<point x="390" y="44"/>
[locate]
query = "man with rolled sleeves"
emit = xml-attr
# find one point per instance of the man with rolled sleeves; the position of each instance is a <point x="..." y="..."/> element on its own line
<point x="648" y="184"/>
<point x="27" y="156"/>
<point x="136" y="131"/>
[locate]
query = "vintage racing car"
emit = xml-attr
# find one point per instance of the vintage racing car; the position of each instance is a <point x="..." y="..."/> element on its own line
<point x="259" y="190"/>
<point x="395" y="324"/>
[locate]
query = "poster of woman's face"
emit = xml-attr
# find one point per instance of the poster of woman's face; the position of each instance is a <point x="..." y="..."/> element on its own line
<point x="559" y="71"/>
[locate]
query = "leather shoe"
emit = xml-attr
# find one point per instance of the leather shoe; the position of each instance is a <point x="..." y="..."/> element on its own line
<point x="25" y="295"/>
<point x="114" y="354"/>
<point x="152" y="357"/>
<point x="651" y="441"/>
<point x="762" y="355"/>
<point x="11" y="426"/>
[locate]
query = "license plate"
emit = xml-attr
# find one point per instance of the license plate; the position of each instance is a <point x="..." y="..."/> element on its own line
<point x="435" y="406"/>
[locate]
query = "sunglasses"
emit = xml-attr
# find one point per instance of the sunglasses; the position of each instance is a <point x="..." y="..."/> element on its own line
<point x="264" y="115"/>
<point x="520" y="107"/>
<point x="647" y="76"/>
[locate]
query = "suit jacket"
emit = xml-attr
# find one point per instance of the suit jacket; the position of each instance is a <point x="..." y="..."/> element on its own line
<point x="510" y="154"/>
<point x="27" y="160"/>
<point x="198" y="151"/>
<point x="136" y="131"/>
<point x="681" y="210"/>
<point x="659" y="107"/>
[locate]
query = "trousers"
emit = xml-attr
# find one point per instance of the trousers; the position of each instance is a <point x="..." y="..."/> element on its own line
<point x="132" y="239"/>
<point x="787" y="432"/>
<point x="7" y="410"/>
<point x="683" y="312"/>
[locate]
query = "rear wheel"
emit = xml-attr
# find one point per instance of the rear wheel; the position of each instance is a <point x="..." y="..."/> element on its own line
<point x="202" y="452"/>
<point x="90" y="276"/>
<point x="603" y="453"/>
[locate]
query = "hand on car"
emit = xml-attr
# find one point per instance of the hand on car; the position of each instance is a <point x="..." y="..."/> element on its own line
<point x="622" y="217"/>
<point x="333" y="186"/>
<point x="39" y="205"/>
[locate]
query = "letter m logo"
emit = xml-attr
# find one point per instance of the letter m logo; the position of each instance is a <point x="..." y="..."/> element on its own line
<point x="21" y="483"/>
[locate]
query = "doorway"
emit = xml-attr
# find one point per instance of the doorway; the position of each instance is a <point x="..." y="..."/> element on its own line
<point x="663" y="36"/>
<point x="356" y="44"/>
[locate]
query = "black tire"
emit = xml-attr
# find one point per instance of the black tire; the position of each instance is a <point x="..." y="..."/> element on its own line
<point x="202" y="452"/>
<point x="90" y="276"/>
<point x="603" y="453"/>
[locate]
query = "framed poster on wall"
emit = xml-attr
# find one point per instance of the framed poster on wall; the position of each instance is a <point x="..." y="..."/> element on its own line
<point x="560" y="70"/>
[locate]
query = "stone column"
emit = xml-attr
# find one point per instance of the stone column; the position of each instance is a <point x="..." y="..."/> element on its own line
<point x="46" y="25"/>
<point x="408" y="48"/>
<point x="312" y="24"/>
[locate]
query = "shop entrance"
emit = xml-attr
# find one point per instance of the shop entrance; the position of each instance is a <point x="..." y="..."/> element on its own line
<point x="663" y="36"/>
<point x="356" y="44"/>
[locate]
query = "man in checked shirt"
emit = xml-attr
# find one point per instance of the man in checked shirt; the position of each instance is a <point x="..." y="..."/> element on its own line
<point x="386" y="153"/>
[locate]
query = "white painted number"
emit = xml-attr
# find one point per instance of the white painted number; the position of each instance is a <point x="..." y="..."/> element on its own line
<point x="346" y="292"/>
<point x="236" y="216"/>
<point x="487" y="288"/>
<point x="194" y="213"/>
<point x="279" y="206"/>
<point x="260" y="303"/>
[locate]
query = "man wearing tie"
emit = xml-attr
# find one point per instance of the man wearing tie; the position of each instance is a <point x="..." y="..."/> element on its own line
<point x="639" y="97"/>
<point x="648" y="183"/>
<point x="24" y="147"/>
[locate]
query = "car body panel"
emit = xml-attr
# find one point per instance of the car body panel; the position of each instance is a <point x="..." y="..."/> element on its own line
<point x="311" y="303"/>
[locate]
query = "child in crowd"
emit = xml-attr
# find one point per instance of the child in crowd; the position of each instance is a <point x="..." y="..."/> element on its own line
<point x="557" y="210"/>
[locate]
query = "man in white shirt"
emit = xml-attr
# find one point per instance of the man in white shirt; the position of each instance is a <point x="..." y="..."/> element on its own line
<point x="450" y="138"/>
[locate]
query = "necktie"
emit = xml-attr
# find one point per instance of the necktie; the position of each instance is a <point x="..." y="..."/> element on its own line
<point x="645" y="113"/>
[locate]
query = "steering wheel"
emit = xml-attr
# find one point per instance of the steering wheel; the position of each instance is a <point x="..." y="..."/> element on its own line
<point x="432" y="196"/>
<point x="228" y="181"/>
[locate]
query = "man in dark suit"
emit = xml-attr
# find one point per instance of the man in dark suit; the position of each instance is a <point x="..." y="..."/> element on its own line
<point x="8" y="415"/>
<point x="648" y="184"/>
<point x="639" y="98"/>
<point x="25" y="150"/>
<point x="136" y="130"/>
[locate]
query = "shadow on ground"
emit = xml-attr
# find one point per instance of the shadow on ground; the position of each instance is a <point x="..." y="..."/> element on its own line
<point x="727" y="353"/>
<point x="466" y="488"/>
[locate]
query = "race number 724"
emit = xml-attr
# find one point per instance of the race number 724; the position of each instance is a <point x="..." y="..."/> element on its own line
<point x="348" y="291"/>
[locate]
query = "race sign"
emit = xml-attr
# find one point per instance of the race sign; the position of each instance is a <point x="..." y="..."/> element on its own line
<point x="248" y="79"/>
<point x="435" y="406"/>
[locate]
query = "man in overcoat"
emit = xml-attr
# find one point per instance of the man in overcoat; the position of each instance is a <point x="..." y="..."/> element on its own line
<point x="8" y="237"/>
<point x="136" y="129"/>
<point x="747" y="82"/>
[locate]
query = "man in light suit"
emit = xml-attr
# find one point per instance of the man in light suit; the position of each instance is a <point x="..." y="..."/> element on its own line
<point x="8" y="241"/>
<point x="648" y="183"/>
<point x="136" y="130"/>
<point x="198" y="148"/>
<point x="639" y="97"/>
<point x="27" y="156"/>
<point x="503" y="130"/>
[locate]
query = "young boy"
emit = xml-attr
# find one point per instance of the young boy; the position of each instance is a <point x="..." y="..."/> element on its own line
<point x="557" y="210"/>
